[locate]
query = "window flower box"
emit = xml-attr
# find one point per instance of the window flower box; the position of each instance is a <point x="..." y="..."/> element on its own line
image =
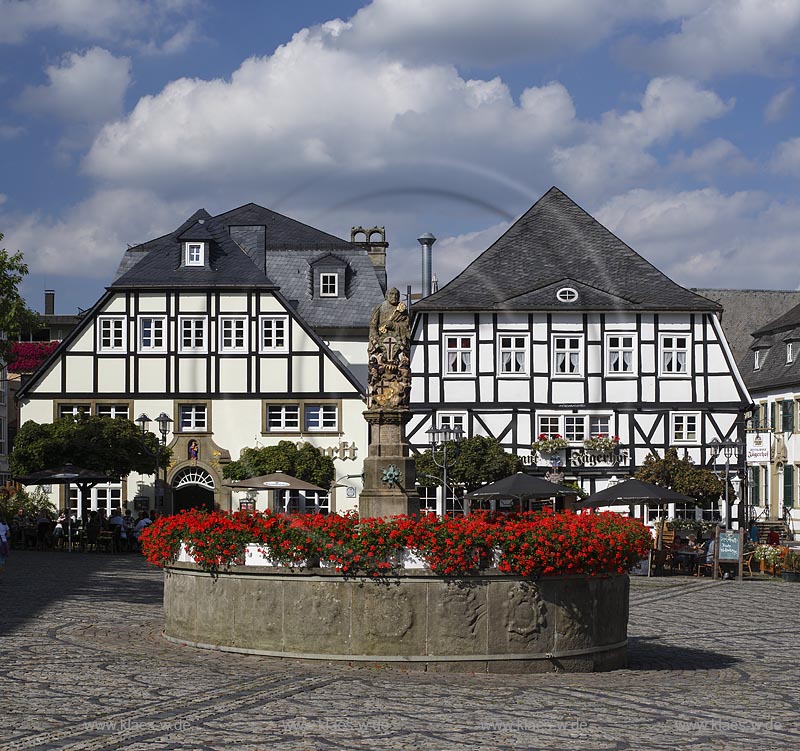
<point x="602" y="443"/>
<point x="551" y="444"/>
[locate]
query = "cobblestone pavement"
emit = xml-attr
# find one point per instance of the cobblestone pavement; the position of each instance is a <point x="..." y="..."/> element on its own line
<point x="713" y="665"/>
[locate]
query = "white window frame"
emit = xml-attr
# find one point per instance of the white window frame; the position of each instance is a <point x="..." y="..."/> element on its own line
<point x="757" y="360"/>
<point x="570" y="433"/>
<point x="195" y="425"/>
<point x="452" y="420"/>
<point x="458" y="350"/>
<point x="567" y="351"/>
<point x="607" y="432"/>
<point x="192" y="322"/>
<point x="329" y="280"/>
<point x="326" y="410"/>
<point x="118" y="329"/>
<point x="548" y="432"/>
<point x="621" y="349"/>
<point x="223" y="320"/>
<point x="264" y="347"/>
<point x="194" y="253"/>
<point x="113" y="409"/>
<point x="110" y="494"/>
<point x="789" y="353"/>
<point x="663" y="350"/>
<point x="73" y="410"/>
<point x="155" y="322"/>
<point x="514" y="348"/>
<point x="682" y="417"/>
<point x="290" y="416"/>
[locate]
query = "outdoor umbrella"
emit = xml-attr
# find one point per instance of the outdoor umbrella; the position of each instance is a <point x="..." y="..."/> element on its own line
<point x="275" y="482"/>
<point x="632" y="493"/>
<point x="521" y="486"/>
<point x="67" y="474"/>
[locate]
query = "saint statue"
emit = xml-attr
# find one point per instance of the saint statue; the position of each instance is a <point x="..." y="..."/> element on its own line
<point x="389" y="349"/>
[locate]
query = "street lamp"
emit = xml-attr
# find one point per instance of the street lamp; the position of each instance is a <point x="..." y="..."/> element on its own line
<point x="441" y="437"/>
<point x="729" y="449"/>
<point x="163" y="421"/>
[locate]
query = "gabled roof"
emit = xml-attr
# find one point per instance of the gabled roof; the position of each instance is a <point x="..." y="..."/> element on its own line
<point x="545" y="298"/>
<point x="790" y="319"/>
<point x="554" y="240"/>
<point x="747" y="310"/>
<point x="254" y="246"/>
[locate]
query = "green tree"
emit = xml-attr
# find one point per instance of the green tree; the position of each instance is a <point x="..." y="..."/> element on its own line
<point x="111" y="446"/>
<point x="683" y="477"/>
<point x="304" y="463"/>
<point x="15" y="316"/>
<point x="475" y="461"/>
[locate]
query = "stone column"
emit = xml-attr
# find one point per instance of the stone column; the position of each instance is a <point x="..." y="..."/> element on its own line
<point x="390" y="476"/>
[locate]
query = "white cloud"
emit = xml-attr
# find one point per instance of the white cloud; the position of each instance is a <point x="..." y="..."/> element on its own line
<point x="89" y="239"/>
<point x="787" y="158"/>
<point x="3" y="198"/>
<point x="86" y="88"/>
<point x="7" y="132"/>
<point x="615" y="150"/>
<point x="312" y="106"/>
<point x="723" y="37"/>
<point x="706" y="238"/>
<point x="779" y="106"/>
<point x="180" y="41"/>
<point x="716" y="157"/>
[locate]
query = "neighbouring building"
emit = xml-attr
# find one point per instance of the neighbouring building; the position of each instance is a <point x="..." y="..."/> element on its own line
<point x="771" y="368"/>
<point x="561" y="329"/>
<point x="5" y="409"/>
<point x="245" y="328"/>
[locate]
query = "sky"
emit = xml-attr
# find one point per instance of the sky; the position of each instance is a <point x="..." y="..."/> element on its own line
<point x="673" y="122"/>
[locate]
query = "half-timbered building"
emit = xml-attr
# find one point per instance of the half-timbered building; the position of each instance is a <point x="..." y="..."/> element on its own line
<point x="245" y="328"/>
<point x="561" y="329"/>
<point x="771" y="369"/>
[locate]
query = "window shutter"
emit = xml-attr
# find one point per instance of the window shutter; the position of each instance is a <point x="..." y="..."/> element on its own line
<point x="772" y="421"/>
<point x="756" y="486"/>
<point x="788" y="485"/>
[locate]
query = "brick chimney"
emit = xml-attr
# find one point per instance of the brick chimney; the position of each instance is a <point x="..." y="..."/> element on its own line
<point x="376" y="248"/>
<point x="49" y="302"/>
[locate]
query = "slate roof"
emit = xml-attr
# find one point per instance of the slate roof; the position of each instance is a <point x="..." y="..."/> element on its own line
<point x="770" y="341"/>
<point x="557" y="244"/>
<point x="254" y="246"/>
<point x="747" y="310"/>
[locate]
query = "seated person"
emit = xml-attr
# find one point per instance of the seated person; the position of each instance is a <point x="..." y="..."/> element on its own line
<point x="773" y="538"/>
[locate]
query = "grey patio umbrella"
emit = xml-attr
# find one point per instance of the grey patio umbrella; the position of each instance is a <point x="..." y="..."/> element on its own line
<point x="274" y="481"/>
<point x="520" y="486"/>
<point x="67" y="474"/>
<point x="632" y="493"/>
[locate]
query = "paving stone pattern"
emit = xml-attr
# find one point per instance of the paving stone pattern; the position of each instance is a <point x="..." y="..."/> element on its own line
<point x="713" y="665"/>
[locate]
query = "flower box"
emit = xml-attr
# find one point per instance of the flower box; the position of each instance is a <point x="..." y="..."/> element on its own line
<point x="551" y="444"/>
<point x="602" y="443"/>
<point x="256" y="555"/>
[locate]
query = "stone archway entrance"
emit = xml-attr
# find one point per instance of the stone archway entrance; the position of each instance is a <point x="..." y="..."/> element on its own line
<point x="193" y="487"/>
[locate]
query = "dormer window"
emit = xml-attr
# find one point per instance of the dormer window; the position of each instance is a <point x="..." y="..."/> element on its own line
<point x="757" y="360"/>
<point x="194" y="254"/>
<point x="789" y="353"/>
<point x="329" y="284"/>
<point x="567" y="294"/>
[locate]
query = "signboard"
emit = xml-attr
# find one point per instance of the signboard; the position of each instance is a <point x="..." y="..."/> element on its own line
<point x="728" y="546"/>
<point x="758" y="445"/>
<point x="141" y="503"/>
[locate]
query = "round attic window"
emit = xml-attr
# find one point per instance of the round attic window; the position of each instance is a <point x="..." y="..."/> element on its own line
<point x="567" y="294"/>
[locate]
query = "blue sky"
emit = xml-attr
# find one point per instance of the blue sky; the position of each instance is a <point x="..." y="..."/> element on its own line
<point x="674" y="122"/>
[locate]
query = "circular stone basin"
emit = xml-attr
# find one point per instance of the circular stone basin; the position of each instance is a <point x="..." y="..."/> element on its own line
<point x="489" y="622"/>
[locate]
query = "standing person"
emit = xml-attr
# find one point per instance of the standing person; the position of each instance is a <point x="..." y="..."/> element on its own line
<point x="5" y="532"/>
<point x="753" y="533"/>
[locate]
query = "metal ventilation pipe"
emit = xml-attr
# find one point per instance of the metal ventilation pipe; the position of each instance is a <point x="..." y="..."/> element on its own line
<point x="426" y="241"/>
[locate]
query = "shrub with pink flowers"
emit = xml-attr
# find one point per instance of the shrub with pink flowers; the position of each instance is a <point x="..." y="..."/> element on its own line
<point x="531" y="544"/>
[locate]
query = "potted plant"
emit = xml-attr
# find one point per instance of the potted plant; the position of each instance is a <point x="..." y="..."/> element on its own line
<point x="791" y="567"/>
<point x="549" y="444"/>
<point x="602" y="443"/>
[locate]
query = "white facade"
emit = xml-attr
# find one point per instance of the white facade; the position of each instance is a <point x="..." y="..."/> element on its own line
<point x="5" y="408"/>
<point x="232" y="368"/>
<point x="654" y="379"/>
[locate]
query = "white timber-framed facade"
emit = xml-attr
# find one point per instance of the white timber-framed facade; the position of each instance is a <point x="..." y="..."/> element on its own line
<point x="220" y="326"/>
<point x="559" y="328"/>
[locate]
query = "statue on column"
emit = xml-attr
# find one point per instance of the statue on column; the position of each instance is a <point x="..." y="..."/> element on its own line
<point x="389" y="349"/>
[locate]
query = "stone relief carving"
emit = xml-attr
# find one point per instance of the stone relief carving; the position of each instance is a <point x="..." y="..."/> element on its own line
<point x="525" y="610"/>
